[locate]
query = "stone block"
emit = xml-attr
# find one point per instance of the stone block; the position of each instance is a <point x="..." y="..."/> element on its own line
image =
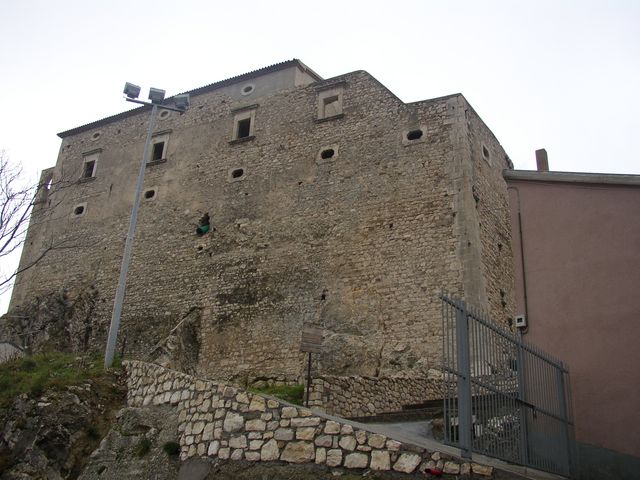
<point x="285" y="434"/>
<point x="483" y="470"/>
<point x="334" y="457"/>
<point x="407" y="462"/>
<point x="258" y="404"/>
<point x="305" y="422"/>
<point x="356" y="460"/>
<point x="256" y="425"/>
<point x="347" y="442"/>
<point x="305" y="433"/>
<point x="213" y="448"/>
<point x="332" y="427"/>
<point x="239" y="441"/>
<point x="237" y="454"/>
<point x="252" y="456"/>
<point x="233" y="422"/>
<point x="298" y="452"/>
<point x="289" y="412"/>
<point x="321" y="455"/>
<point x="324" y="441"/>
<point x="451" y="468"/>
<point x="376" y="440"/>
<point x="270" y="451"/>
<point x="380" y="460"/>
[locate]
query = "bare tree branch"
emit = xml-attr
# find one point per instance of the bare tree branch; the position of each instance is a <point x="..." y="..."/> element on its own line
<point x="17" y="201"/>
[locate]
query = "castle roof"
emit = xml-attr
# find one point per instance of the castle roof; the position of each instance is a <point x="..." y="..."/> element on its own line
<point x="198" y="91"/>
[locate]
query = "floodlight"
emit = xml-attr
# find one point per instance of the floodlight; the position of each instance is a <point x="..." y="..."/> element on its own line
<point x="182" y="101"/>
<point x="131" y="90"/>
<point x="156" y="95"/>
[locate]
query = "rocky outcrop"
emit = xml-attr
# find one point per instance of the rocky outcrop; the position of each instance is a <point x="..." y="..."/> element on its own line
<point x="52" y="435"/>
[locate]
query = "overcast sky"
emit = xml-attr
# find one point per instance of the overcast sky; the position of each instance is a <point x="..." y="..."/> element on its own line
<point x="562" y="75"/>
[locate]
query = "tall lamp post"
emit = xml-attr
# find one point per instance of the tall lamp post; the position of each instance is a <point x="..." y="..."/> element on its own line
<point x="157" y="98"/>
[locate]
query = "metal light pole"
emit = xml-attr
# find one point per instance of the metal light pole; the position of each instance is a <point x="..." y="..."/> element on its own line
<point x="157" y="97"/>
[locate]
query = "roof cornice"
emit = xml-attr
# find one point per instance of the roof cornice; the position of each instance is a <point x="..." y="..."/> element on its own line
<point x="571" y="177"/>
<point x="197" y="91"/>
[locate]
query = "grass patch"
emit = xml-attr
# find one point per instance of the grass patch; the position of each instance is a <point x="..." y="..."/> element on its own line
<point x="289" y="393"/>
<point x="38" y="373"/>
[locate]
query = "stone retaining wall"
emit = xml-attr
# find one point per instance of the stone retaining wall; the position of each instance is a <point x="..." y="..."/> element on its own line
<point x="357" y="396"/>
<point x="226" y="422"/>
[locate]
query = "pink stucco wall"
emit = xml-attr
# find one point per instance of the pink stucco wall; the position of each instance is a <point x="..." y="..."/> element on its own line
<point x="582" y="265"/>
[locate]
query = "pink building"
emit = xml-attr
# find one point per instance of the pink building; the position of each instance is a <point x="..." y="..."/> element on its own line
<point x="576" y="244"/>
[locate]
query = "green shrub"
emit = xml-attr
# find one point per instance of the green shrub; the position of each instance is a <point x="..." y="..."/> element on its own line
<point x="143" y="447"/>
<point x="171" y="448"/>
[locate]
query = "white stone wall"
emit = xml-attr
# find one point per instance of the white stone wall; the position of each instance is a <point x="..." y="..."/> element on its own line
<point x="223" y="421"/>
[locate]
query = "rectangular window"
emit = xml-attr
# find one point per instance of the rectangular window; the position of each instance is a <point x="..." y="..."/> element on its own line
<point x="330" y="102"/>
<point x="89" y="165"/>
<point x="244" y="122"/>
<point x="244" y="128"/>
<point x="332" y="106"/>
<point x="158" y="151"/>
<point x="159" y="147"/>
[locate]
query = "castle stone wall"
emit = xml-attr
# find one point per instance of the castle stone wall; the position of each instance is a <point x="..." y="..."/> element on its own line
<point x="360" y="243"/>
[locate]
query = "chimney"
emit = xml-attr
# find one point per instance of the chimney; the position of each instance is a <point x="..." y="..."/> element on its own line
<point x="542" y="161"/>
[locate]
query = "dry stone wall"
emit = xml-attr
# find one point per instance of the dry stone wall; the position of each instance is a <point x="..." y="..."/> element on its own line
<point x="223" y="421"/>
<point x="369" y="396"/>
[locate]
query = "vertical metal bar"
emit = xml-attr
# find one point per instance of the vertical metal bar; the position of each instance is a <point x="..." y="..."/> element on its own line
<point x="128" y="248"/>
<point x="464" y="381"/>
<point x="522" y="395"/>
<point x="565" y="420"/>
<point x="308" y="379"/>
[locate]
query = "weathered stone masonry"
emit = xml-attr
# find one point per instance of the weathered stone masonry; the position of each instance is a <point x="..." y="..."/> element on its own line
<point x="223" y="421"/>
<point x="359" y="243"/>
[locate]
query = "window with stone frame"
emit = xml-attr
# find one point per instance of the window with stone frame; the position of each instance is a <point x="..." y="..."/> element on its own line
<point x="330" y="103"/>
<point x="244" y="124"/>
<point x="89" y="165"/>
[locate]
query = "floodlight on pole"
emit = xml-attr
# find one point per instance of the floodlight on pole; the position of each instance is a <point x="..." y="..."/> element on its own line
<point x="182" y="101"/>
<point x="157" y="97"/>
<point x="131" y="90"/>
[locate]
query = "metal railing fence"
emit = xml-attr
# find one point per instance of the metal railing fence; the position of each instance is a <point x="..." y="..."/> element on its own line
<point x="503" y="397"/>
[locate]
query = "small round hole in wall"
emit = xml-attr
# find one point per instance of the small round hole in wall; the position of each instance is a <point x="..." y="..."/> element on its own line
<point x="414" y="135"/>
<point x="149" y="194"/>
<point x="248" y="89"/>
<point x="96" y="136"/>
<point x="79" y="210"/>
<point x="164" y="113"/>
<point x="237" y="172"/>
<point x="328" y="153"/>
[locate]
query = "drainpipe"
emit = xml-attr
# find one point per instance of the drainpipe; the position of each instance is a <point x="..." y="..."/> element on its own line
<point x="522" y="262"/>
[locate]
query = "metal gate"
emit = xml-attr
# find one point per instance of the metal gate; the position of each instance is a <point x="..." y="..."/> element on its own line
<point x="503" y="398"/>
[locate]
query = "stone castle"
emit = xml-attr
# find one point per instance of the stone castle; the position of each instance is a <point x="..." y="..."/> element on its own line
<point x="331" y="203"/>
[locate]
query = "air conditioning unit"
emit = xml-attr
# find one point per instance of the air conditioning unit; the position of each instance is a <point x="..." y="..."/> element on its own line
<point x="521" y="321"/>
